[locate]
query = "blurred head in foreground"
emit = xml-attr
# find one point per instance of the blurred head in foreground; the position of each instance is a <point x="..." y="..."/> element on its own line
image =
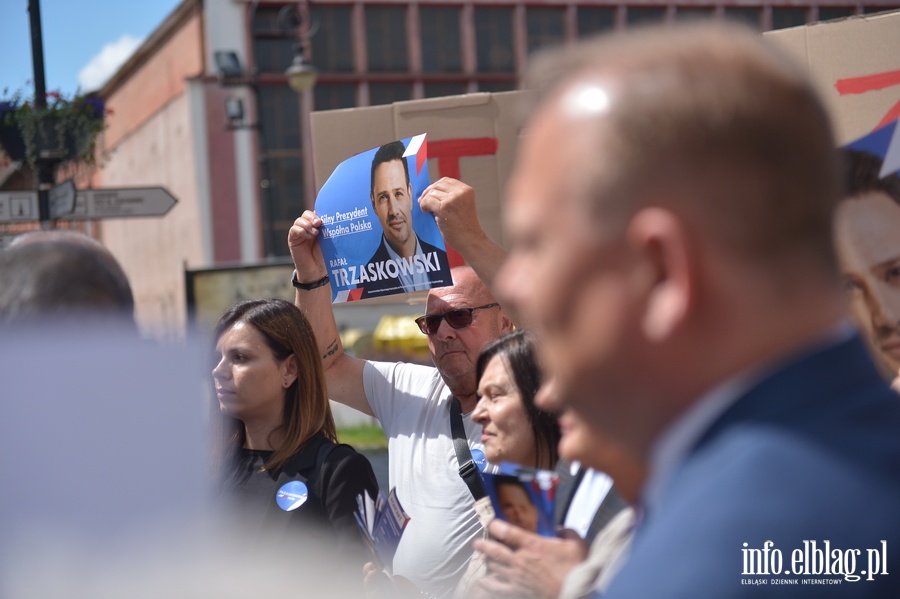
<point x="691" y="177"/>
<point x="62" y="276"/>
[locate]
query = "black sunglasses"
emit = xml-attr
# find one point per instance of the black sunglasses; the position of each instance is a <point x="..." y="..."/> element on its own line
<point x="458" y="318"/>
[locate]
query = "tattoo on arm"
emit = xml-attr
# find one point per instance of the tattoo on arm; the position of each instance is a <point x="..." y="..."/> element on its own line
<point x="332" y="349"/>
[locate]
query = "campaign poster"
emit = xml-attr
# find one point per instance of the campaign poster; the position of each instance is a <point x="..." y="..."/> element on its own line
<point x="867" y="236"/>
<point x="375" y="238"/>
<point x="524" y="497"/>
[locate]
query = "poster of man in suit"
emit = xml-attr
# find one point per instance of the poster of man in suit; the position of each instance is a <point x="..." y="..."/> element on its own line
<point x="378" y="241"/>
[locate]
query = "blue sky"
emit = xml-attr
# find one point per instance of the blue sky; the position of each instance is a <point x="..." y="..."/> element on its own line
<point x="84" y="40"/>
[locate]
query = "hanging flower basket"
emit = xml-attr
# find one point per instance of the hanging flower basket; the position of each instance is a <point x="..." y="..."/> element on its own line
<point x="11" y="138"/>
<point x="64" y="130"/>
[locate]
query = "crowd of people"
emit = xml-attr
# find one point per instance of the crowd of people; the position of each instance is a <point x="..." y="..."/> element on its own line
<point x="668" y="330"/>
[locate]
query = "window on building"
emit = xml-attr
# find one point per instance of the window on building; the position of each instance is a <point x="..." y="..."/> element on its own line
<point x="496" y="86"/>
<point x="835" y="12"/>
<point x="436" y="90"/>
<point x="494" y="39"/>
<point x="386" y="37"/>
<point x="638" y="15"/>
<point x="332" y="45"/>
<point x="748" y="16"/>
<point x="273" y="48"/>
<point x="284" y="199"/>
<point x="385" y="93"/>
<point x="265" y="20"/>
<point x="334" y="95"/>
<point x="593" y="19"/>
<point x="272" y="55"/>
<point x="788" y="17"/>
<point x="545" y="26"/>
<point x="440" y="30"/>
<point x="695" y="13"/>
<point x="279" y="117"/>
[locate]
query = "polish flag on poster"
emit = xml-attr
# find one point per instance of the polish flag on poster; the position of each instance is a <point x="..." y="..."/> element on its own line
<point x="884" y="143"/>
<point x="375" y="238"/>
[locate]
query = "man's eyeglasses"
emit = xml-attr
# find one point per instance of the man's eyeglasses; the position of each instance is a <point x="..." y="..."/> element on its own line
<point x="458" y="318"/>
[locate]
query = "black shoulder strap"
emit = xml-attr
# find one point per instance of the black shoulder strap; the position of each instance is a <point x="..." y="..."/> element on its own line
<point x="467" y="468"/>
<point x="322" y="454"/>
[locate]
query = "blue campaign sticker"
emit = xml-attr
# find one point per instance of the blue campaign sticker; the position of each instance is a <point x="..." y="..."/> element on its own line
<point x="478" y="458"/>
<point x="291" y="495"/>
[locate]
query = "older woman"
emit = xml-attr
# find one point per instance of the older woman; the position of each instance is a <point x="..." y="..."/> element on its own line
<point x="513" y="428"/>
<point x="280" y="460"/>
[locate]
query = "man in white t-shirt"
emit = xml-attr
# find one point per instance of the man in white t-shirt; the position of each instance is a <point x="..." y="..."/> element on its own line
<point x="412" y="403"/>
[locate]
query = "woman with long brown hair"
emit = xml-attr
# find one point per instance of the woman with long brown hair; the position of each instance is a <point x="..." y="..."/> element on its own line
<point x="279" y="456"/>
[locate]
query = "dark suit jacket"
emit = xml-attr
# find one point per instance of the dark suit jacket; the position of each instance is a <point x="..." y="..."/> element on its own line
<point x="812" y="453"/>
<point x="381" y="287"/>
<point x="611" y="505"/>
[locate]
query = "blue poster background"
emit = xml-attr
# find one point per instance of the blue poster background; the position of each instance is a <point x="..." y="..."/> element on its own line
<point x="877" y="142"/>
<point x="351" y="232"/>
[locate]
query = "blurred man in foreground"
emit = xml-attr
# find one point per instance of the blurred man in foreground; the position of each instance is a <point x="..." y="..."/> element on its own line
<point x="670" y="215"/>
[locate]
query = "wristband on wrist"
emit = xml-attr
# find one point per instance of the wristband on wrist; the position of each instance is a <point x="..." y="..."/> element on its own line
<point x="308" y="286"/>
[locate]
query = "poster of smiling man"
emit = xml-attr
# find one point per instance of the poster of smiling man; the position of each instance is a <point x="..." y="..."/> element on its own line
<point x="376" y="240"/>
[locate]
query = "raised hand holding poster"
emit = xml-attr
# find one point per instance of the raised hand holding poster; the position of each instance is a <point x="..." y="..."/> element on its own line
<point x="375" y="239"/>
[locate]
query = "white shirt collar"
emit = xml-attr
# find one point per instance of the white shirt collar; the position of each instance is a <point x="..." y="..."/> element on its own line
<point x="395" y="256"/>
<point x="414" y="281"/>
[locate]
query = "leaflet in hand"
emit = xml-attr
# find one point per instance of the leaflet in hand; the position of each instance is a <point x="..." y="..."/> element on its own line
<point x="382" y="521"/>
<point x="523" y="496"/>
<point x="375" y="238"/>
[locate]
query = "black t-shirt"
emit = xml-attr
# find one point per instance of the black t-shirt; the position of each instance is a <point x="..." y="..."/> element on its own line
<point x="324" y="521"/>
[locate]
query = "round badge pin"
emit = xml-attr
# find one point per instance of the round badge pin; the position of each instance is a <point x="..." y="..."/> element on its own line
<point x="478" y="458"/>
<point x="291" y="495"/>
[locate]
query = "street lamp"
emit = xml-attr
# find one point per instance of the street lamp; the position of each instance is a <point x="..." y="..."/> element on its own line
<point x="301" y="75"/>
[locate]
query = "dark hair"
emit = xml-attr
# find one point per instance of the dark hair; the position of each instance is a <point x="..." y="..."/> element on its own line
<point x="62" y="278"/>
<point x="388" y="153"/>
<point x="306" y="409"/>
<point x="861" y="175"/>
<point x="517" y="348"/>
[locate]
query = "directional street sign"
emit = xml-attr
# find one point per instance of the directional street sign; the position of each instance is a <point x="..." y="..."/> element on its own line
<point x="67" y="203"/>
<point x="121" y="203"/>
<point x="62" y="199"/>
<point x="18" y="206"/>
